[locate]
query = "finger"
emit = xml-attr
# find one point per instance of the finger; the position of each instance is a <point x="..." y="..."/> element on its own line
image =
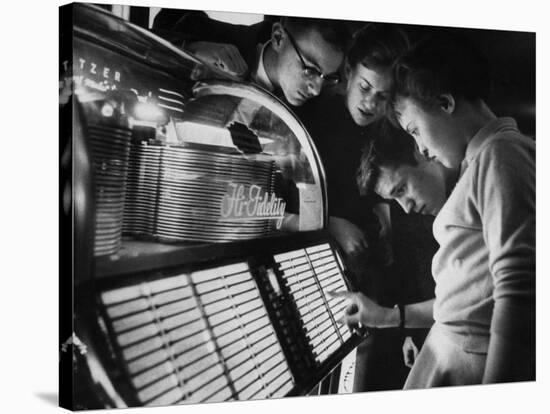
<point x="354" y="246"/>
<point x="351" y="309"/>
<point x="412" y="358"/>
<point x="349" y="318"/>
<point x="409" y="358"/>
<point x="341" y="294"/>
<point x="352" y="319"/>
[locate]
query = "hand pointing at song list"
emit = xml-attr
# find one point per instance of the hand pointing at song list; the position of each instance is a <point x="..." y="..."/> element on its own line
<point x="362" y="311"/>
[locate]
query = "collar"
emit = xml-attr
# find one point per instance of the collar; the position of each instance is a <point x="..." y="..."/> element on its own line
<point x="260" y="75"/>
<point x="483" y="135"/>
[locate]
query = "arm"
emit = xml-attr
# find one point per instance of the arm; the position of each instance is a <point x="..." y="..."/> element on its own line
<point x="505" y="190"/>
<point x="382" y="211"/>
<point x="349" y="237"/>
<point x="420" y="314"/>
<point x="367" y="312"/>
<point x="509" y="360"/>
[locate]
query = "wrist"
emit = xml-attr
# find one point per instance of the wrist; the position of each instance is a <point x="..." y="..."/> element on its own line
<point x="401" y="309"/>
<point x="391" y="318"/>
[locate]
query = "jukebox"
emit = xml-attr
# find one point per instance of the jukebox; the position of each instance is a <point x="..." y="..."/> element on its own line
<point x="201" y="265"/>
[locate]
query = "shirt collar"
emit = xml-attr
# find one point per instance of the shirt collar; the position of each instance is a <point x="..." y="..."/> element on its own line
<point x="260" y="75"/>
<point x="485" y="133"/>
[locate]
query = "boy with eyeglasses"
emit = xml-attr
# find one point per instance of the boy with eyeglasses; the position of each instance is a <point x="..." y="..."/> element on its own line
<point x="294" y="57"/>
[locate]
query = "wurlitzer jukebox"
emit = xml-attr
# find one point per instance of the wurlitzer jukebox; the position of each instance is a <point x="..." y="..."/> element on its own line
<point x="201" y="262"/>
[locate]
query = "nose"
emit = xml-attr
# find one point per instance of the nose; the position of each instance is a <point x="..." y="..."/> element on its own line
<point x="370" y="102"/>
<point x="421" y="148"/>
<point x="314" y="87"/>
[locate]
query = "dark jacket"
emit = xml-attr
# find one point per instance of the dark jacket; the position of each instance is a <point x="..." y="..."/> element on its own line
<point x="179" y="26"/>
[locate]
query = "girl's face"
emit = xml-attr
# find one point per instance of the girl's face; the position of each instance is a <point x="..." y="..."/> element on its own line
<point x="435" y="130"/>
<point x="367" y="93"/>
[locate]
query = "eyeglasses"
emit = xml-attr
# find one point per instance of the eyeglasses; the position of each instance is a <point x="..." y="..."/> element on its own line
<point x="311" y="72"/>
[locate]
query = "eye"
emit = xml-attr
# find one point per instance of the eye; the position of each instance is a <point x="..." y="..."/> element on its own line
<point x="365" y="87"/>
<point x="413" y="132"/>
<point x="310" y="71"/>
<point x="400" y="191"/>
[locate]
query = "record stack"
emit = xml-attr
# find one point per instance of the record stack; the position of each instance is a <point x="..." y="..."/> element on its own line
<point x="110" y="147"/>
<point x="177" y="193"/>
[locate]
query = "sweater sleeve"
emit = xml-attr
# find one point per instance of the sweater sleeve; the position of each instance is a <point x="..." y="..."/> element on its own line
<point x="505" y="191"/>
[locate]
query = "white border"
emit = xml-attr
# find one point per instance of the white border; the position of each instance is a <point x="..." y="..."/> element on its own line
<point x="28" y="168"/>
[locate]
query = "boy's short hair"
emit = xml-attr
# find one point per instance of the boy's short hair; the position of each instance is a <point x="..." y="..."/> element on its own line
<point x="377" y="45"/>
<point x="334" y="32"/>
<point x="391" y="148"/>
<point x="442" y="64"/>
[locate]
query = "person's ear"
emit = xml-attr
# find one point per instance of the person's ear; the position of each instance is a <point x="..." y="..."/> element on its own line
<point x="277" y="36"/>
<point x="447" y="103"/>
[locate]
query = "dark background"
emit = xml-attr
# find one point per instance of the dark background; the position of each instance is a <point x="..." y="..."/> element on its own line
<point x="510" y="53"/>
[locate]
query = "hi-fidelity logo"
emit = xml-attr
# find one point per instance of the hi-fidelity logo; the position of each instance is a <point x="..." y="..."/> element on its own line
<point x="243" y="203"/>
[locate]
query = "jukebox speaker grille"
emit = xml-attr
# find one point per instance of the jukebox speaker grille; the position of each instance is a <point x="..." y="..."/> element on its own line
<point x="203" y="336"/>
<point x="110" y="147"/>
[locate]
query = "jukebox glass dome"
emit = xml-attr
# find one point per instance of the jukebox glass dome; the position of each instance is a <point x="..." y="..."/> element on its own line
<point x="234" y="164"/>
